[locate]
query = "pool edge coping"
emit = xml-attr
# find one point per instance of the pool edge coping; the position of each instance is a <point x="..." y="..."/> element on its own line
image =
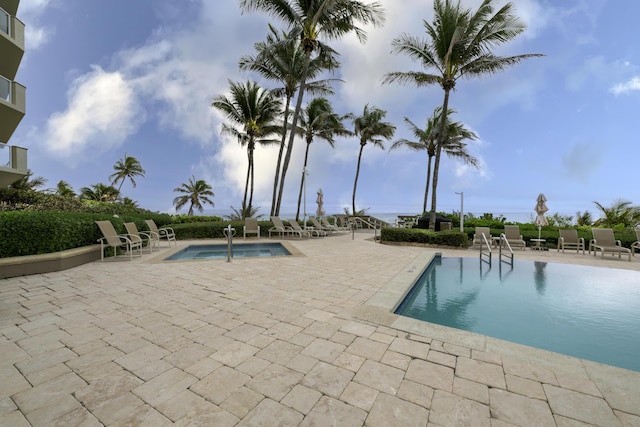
<point x="380" y="307"/>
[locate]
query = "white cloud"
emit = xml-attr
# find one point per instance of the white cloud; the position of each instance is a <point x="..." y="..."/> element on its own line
<point x="102" y="111"/>
<point x="632" y="85"/>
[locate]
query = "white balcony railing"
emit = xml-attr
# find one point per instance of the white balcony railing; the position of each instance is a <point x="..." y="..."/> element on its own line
<point x="5" y="89"/>
<point x="5" y="22"/>
<point x="5" y="155"/>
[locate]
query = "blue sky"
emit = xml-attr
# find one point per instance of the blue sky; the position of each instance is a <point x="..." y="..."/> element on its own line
<point x="105" y="78"/>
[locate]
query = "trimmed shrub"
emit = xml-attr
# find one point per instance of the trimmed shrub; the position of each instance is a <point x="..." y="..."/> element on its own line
<point x="416" y="235"/>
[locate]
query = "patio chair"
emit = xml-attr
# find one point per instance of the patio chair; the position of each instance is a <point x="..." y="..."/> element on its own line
<point x="337" y="228"/>
<point x="318" y="226"/>
<point x="569" y="240"/>
<point x="162" y="233"/>
<point x="279" y="228"/>
<point x="295" y="229"/>
<point x="250" y="227"/>
<point x="114" y="240"/>
<point x="636" y="245"/>
<point x="513" y="236"/>
<point x="135" y="235"/>
<point x="477" y="236"/>
<point x="605" y="241"/>
<point x="311" y="232"/>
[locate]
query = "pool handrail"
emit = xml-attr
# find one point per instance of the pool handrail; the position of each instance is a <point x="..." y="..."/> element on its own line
<point x="484" y="241"/>
<point x="509" y="260"/>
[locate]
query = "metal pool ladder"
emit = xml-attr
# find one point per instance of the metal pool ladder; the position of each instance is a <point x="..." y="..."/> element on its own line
<point x="506" y="257"/>
<point x="503" y="257"/>
<point x="486" y="257"/>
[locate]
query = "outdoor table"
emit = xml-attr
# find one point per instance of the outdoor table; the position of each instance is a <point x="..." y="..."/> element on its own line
<point x="537" y="247"/>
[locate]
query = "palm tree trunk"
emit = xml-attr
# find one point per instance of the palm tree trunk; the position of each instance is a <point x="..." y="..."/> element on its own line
<point x="246" y="184"/>
<point x="294" y="124"/>
<point x="426" y="188"/>
<point x="282" y="144"/>
<point x="355" y="182"/>
<point x="251" y="192"/>
<point x="304" y="177"/>
<point x="436" y="166"/>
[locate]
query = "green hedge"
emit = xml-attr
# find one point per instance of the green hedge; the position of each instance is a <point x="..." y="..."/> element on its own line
<point x="39" y="232"/>
<point x="214" y="229"/>
<point x="417" y="235"/>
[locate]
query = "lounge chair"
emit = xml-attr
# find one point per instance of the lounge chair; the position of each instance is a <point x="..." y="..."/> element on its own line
<point x="311" y="232"/>
<point x="295" y="229"/>
<point x="636" y="245"/>
<point x="337" y="228"/>
<point x="477" y="236"/>
<point x="604" y="240"/>
<point x="162" y="233"/>
<point x="318" y="226"/>
<point x="513" y="236"/>
<point x="135" y="235"/>
<point x="113" y="239"/>
<point x="250" y="227"/>
<point x="279" y="228"/>
<point x="569" y="240"/>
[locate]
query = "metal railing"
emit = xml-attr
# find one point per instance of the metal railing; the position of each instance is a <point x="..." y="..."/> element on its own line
<point x="486" y="257"/>
<point x="508" y="256"/>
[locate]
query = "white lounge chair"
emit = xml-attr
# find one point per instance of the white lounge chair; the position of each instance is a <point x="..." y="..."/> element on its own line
<point x="605" y="241"/>
<point x="636" y="245"/>
<point x="250" y="227"/>
<point x="114" y="240"/>
<point x="135" y="235"/>
<point x="162" y="233"/>
<point x="569" y="240"/>
<point x="477" y="237"/>
<point x="279" y="228"/>
<point x="513" y="236"/>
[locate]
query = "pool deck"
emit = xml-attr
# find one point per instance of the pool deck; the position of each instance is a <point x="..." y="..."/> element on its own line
<point x="298" y="340"/>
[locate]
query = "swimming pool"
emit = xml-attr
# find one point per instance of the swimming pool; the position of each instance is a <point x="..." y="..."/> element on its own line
<point x="245" y="250"/>
<point x="587" y="312"/>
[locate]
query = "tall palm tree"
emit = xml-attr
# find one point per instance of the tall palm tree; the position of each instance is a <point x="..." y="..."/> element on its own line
<point x="308" y="22"/>
<point x="195" y="192"/>
<point x="459" y="44"/>
<point x="99" y="192"/>
<point x="253" y="113"/>
<point x="281" y="58"/>
<point x="369" y="127"/>
<point x="126" y="168"/>
<point x="426" y="141"/>
<point x="64" y="189"/>
<point x="318" y="121"/>
<point x="29" y="182"/>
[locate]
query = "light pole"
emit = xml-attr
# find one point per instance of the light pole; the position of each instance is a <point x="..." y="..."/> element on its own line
<point x="461" y="211"/>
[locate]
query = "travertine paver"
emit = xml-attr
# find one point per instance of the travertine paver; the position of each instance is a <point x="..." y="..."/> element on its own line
<point x="280" y="341"/>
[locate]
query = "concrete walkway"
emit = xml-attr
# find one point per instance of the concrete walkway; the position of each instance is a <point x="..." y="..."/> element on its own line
<point x="300" y="340"/>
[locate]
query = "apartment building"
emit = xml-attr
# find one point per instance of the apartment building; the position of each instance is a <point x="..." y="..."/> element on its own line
<point x="13" y="160"/>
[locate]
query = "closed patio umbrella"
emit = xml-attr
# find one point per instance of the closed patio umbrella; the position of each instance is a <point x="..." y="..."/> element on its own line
<point x="320" y="201"/>
<point x="541" y="208"/>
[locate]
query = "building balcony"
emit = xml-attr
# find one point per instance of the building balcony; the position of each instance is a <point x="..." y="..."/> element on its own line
<point x="11" y="44"/>
<point x="13" y="164"/>
<point x="13" y="100"/>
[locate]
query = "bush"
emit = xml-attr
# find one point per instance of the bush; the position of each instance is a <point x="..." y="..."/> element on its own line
<point x="417" y="235"/>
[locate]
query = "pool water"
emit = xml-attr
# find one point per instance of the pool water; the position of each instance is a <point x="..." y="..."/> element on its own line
<point x="220" y="251"/>
<point x="587" y="312"/>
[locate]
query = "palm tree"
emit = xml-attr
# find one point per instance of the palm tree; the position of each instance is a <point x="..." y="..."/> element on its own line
<point x="254" y="110"/>
<point x="370" y="128"/>
<point x="620" y="212"/>
<point x="426" y="141"/>
<point x="459" y="44"/>
<point x="64" y="189"/>
<point x="281" y="58"/>
<point x="195" y="192"/>
<point x="99" y="192"/>
<point x="28" y="182"/>
<point x="126" y="168"/>
<point x="584" y="218"/>
<point x="309" y="21"/>
<point x="318" y="121"/>
<point x="242" y="213"/>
